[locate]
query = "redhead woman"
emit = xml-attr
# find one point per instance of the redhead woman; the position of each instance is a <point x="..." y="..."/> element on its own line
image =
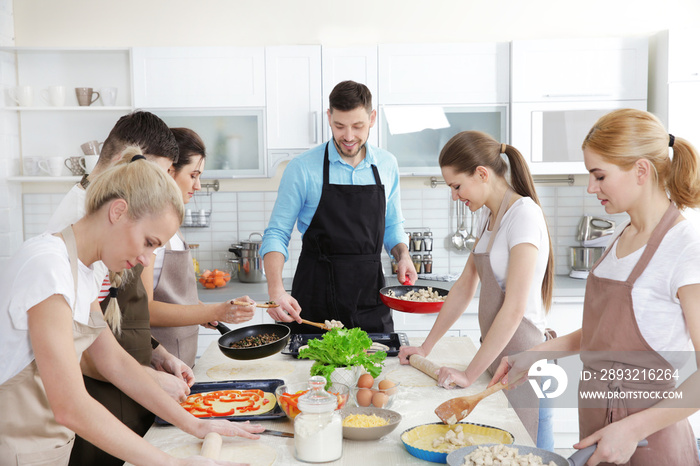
<point x="512" y="259"/>
<point x="131" y="209"/>
<point x="642" y="305"/>
<point x="170" y="282"/>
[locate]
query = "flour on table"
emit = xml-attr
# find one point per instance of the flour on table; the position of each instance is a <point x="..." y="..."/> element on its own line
<point x="256" y="454"/>
<point x="250" y="371"/>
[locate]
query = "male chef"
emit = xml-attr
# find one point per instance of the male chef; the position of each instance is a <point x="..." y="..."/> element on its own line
<point x="344" y="197"/>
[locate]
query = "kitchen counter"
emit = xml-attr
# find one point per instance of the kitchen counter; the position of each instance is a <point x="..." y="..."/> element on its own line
<point x="415" y="403"/>
<point x="564" y="287"/>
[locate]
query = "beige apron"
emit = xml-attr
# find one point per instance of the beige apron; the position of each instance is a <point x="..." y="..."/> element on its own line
<point x="29" y="433"/>
<point x="527" y="335"/>
<point x="177" y="285"/>
<point x="609" y="325"/>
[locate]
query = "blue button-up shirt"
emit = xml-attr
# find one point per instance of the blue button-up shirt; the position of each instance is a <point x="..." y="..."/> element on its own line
<point x="300" y="192"/>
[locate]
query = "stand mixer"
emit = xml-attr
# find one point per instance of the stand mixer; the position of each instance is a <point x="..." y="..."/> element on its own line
<point x="594" y="234"/>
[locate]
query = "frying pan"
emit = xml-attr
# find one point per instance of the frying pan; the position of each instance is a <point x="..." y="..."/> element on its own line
<point x="414" y="307"/>
<point x="229" y="336"/>
<point x="579" y="458"/>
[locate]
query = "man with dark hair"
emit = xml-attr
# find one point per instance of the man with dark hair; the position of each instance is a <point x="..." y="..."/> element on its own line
<point x="136" y="132"/>
<point x="344" y="197"/>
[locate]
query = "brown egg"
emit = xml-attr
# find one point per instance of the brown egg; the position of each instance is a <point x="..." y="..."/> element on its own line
<point x="365" y="381"/>
<point x="387" y="385"/>
<point x="380" y="399"/>
<point x="364" y="397"/>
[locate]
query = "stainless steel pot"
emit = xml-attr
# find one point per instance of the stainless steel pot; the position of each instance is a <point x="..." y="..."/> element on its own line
<point x="250" y="264"/>
<point x="584" y="259"/>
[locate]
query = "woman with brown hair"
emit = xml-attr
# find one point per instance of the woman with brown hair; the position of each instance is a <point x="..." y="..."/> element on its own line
<point x="641" y="312"/>
<point x="512" y="259"/>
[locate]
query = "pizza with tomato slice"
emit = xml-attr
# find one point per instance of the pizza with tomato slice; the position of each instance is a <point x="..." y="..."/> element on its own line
<point x="226" y="403"/>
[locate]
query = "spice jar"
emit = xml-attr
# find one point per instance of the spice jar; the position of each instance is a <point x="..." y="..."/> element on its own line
<point x="427" y="263"/>
<point x="410" y="241"/>
<point x="417" y="261"/>
<point x="318" y="429"/>
<point x="194" y="252"/>
<point x="428" y="241"/>
<point x="394" y="266"/>
<point x="417" y="241"/>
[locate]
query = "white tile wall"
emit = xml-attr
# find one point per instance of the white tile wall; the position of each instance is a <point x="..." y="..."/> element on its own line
<point x="235" y="216"/>
<point x="10" y="194"/>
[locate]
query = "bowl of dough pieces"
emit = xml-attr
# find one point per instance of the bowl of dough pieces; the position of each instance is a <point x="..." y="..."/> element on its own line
<point x="433" y="442"/>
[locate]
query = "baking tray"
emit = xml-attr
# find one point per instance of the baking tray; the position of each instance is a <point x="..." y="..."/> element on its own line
<point x="266" y="385"/>
<point x="393" y="340"/>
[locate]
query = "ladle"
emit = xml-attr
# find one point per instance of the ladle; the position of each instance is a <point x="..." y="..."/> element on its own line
<point x="462" y="227"/>
<point x="470" y="240"/>
<point x="457" y="238"/>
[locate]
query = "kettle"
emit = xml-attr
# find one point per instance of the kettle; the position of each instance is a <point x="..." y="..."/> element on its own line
<point x="594" y="231"/>
<point x="250" y="264"/>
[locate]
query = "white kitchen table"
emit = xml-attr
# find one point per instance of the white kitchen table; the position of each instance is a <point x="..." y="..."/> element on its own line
<point x="416" y="404"/>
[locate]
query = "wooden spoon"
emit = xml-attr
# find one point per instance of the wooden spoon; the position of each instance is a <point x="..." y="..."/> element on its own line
<point x="456" y="409"/>
<point x="315" y="324"/>
<point x="265" y="306"/>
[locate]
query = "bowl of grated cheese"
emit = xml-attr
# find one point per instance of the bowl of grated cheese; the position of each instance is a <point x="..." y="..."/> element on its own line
<point x="368" y="423"/>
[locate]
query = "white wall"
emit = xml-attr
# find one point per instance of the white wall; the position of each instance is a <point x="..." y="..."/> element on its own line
<point x="331" y="22"/>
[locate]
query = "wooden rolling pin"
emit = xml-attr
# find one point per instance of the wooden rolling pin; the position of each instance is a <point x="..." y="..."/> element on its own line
<point x="211" y="448"/>
<point x="427" y="367"/>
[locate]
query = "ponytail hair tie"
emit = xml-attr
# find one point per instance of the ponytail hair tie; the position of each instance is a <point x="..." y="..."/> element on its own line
<point x="112" y="292"/>
<point x="671" y="139"/>
<point x="503" y="148"/>
<point x="137" y="157"/>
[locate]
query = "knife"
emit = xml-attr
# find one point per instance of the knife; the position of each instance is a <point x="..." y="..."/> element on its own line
<point x="277" y="433"/>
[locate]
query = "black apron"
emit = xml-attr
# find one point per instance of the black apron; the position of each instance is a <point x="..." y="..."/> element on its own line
<point x="339" y="274"/>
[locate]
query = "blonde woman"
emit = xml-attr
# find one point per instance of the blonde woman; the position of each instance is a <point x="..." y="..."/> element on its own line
<point x="642" y="305"/>
<point x="512" y="260"/>
<point x="173" y="302"/>
<point x="131" y="209"/>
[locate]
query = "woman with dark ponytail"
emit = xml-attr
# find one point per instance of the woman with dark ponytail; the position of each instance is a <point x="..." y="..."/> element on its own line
<point x="641" y="312"/>
<point x="512" y="259"/>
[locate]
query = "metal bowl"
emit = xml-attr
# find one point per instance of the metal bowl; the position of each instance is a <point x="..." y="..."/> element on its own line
<point x="582" y="258"/>
<point x="229" y="336"/>
<point x="414" y="307"/>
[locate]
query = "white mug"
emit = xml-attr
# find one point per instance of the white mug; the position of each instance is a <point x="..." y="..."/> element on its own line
<point x="90" y="162"/>
<point x="55" y="95"/>
<point x="108" y="96"/>
<point x="52" y="165"/>
<point x="23" y="95"/>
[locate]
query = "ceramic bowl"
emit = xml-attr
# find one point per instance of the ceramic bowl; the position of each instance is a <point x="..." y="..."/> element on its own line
<point x="370" y="433"/>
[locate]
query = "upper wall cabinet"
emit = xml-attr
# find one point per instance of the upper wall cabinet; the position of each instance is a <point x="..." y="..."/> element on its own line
<point x="443" y="73"/>
<point x="682" y="54"/>
<point x="199" y="77"/>
<point x="357" y="64"/>
<point x="579" y="69"/>
<point x="293" y="88"/>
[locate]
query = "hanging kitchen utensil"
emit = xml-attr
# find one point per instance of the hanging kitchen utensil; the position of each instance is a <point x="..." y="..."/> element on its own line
<point x="456" y="409"/>
<point x="470" y="240"/>
<point x="457" y="238"/>
<point x="462" y="227"/>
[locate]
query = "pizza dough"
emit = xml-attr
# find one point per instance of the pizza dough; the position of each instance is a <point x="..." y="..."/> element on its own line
<point x="256" y="454"/>
<point x="250" y="371"/>
<point x="223" y="407"/>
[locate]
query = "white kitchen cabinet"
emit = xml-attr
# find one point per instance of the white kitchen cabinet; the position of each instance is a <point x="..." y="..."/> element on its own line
<point x="47" y="131"/>
<point x="466" y="73"/>
<point x="674" y="82"/>
<point x="591" y="69"/>
<point x="419" y="325"/>
<point x="199" y="77"/>
<point x="358" y="64"/>
<point x="293" y="95"/>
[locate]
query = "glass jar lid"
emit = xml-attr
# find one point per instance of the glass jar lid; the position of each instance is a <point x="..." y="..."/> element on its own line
<point x="317" y="400"/>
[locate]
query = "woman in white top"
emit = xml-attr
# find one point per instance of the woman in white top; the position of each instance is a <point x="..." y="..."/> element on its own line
<point x="175" y="309"/>
<point x="642" y="305"/>
<point x="512" y="259"/>
<point x="47" y="322"/>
